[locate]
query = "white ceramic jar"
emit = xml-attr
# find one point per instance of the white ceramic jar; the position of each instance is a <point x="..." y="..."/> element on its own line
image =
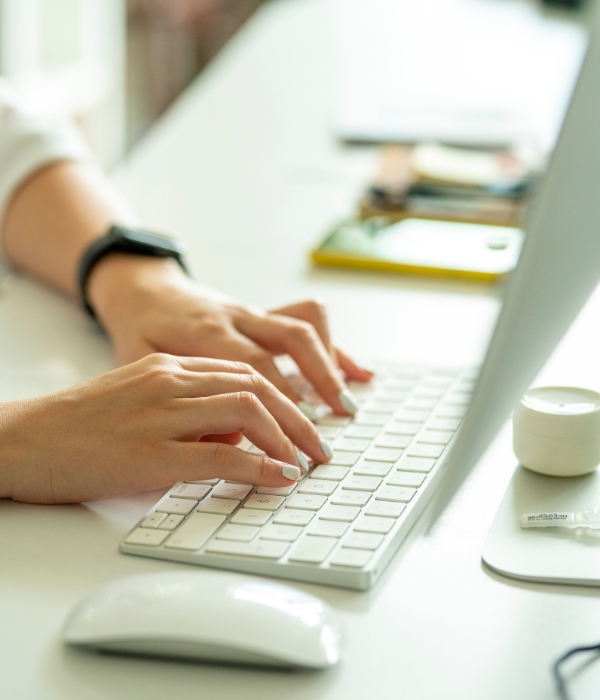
<point x="556" y="430"/>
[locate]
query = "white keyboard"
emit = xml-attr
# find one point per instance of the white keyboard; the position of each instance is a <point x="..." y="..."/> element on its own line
<point x="341" y="523"/>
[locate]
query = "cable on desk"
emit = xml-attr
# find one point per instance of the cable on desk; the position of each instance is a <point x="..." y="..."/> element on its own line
<point x="558" y="677"/>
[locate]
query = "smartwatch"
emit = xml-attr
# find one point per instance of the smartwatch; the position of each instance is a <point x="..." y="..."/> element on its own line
<point x="125" y="240"/>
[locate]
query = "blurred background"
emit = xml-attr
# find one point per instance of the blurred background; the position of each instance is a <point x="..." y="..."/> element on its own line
<point x="113" y="65"/>
<point x="116" y="65"/>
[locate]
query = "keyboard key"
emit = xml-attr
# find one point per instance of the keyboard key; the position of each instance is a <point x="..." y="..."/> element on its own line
<point x="351" y="444"/>
<point x="345" y="514"/>
<point x="329" y="432"/>
<point x="313" y="549"/>
<point x="450" y="411"/>
<point x="386" y="509"/>
<point x="403" y="427"/>
<point x="337" y="421"/>
<point x="399" y="494"/>
<point x="266" y="549"/>
<point x="330" y="473"/>
<point x="247" y="516"/>
<point x="351" y="498"/>
<point x="344" y="459"/>
<point x="433" y="391"/>
<point x="238" y="533"/>
<point x="264" y="501"/>
<point x="195" y="531"/>
<point x="355" y="558"/>
<point x="410" y="415"/>
<point x="227" y="489"/>
<point x="400" y="442"/>
<point x="416" y="464"/>
<point x="423" y="449"/>
<point x="389" y="394"/>
<point x="171" y="522"/>
<point x="364" y="418"/>
<point x="372" y="523"/>
<point x="366" y="468"/>
<point x="460" y="398"/>
<point x="327" y="528"/>
<point x="444" y="424"/>
<point x="436" y="437"/>
<point x="362" y="483"/>
<point x="361" y="431"/>
<point x="362" y="540"/>
<point x="290" y="516"/>
<point x="306" y="502"/>
<point x="412" y="479"/>
<point x="222" y="506"/>
<point x="421" y="404"/>
<point x="147" y="536"/>
<point x="383" y="454"/>
<point x="318" y="486"/>
<point x="212" y="482"/>
<point x="386" y="406"/>
<point x="285" y="533"/>
<point x="194" y="491"/>
<point x="181" y="506"/>
<point x="154" y="520"/>
<point x="277" y="490"/>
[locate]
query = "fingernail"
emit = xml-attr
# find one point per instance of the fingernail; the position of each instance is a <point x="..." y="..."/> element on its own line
<point x="302" y="461"/>
<point x="326" y="448"/>
<point x="348" y="401"/>
<point x="308" y="410"/>
<point x="290" y="472"/>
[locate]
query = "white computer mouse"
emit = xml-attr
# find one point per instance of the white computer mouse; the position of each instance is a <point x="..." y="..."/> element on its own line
<point x="208" y="616"/>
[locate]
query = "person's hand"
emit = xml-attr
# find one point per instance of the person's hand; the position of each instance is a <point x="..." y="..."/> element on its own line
<point x="148" y="305"/>
<point x="148" y="425"/>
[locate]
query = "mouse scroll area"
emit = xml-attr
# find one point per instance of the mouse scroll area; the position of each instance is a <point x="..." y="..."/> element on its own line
<point x="210" y="617"/>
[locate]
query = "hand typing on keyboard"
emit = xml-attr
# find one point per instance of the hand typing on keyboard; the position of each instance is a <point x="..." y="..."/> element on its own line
<point x="150" y="424"/>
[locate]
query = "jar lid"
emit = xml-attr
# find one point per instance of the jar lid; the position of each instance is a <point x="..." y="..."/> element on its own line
<point x="558" y="411"/>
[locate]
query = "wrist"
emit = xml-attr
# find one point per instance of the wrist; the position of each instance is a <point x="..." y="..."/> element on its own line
<point x="11" y="446"/>
<point x="119" y="280"/>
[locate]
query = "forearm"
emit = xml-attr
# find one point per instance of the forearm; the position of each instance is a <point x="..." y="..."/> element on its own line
<point x="53" y="218"/>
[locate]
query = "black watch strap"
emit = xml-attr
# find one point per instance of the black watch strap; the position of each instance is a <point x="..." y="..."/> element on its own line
<point x="125" y="240"/>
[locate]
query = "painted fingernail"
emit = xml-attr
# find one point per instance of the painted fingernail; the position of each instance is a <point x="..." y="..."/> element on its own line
<point x="290" y="472"/>
<point x="308" y="410"/>
<point x="348" y="401"/>
<point x="302" y="461"/>
<point x="326" y="448"/>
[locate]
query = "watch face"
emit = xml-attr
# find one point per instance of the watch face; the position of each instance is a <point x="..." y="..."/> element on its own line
<point x="149" y="243"/>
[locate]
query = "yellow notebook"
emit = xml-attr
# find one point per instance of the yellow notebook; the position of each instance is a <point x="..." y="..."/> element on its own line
<point x="421" y="246"/>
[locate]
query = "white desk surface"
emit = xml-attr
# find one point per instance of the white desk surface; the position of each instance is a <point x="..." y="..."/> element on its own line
<point x="244" y="168"/>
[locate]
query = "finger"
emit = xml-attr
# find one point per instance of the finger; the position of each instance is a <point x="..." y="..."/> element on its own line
<point x="351" y="369"/>
<point x="195" y="461"/>
<point x="227" y="413"/>
<point x="290" y="419"/>
<point x="209" y="364"/>
<point x="301" y="341"/>
<point x="315" y="313"/>
<point x="241" y="347"/>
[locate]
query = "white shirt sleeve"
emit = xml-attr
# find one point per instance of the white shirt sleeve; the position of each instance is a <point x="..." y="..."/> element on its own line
<point x="29" y="141"/>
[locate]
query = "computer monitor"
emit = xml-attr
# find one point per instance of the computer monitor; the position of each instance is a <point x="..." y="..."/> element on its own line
<point x="558" y="269"/>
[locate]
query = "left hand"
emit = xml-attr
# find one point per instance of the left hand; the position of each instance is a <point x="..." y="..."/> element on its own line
<point x="149" y="305"/>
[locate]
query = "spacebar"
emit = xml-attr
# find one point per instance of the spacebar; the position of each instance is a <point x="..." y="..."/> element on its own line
<point x="195" y="531"/>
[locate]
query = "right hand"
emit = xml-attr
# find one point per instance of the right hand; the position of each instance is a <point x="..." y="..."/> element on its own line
<point x="144" y="426"/>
